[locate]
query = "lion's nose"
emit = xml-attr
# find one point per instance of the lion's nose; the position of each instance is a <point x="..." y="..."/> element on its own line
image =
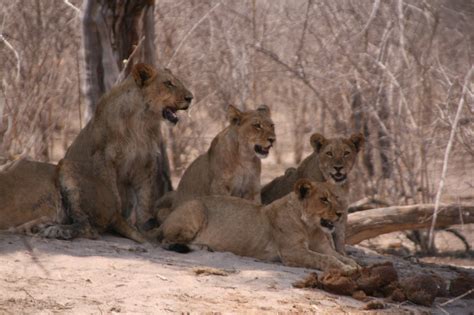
<point x="338" y="215"/>
<point x="188" y="98"/>
<point x="271" y="140"/>
<point x="338" y="168"/>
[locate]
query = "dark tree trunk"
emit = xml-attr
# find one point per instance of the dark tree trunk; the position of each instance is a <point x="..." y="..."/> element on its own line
<point x="112" y="30"/>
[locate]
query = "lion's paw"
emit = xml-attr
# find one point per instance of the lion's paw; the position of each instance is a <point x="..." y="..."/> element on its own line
<point x="348" y="270"/>
<point x="57" y="231"/>
<point x="350" y="262"/>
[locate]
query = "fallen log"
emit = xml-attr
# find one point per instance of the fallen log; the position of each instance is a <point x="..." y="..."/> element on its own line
<point x="367" y="204"/>
<point x="371" y="223"/>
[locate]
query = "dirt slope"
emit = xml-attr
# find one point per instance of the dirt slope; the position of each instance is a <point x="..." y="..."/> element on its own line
<point x="115" y="275"/>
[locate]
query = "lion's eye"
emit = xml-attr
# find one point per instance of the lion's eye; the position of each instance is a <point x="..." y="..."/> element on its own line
<point x="257" y="126"/>
<point x="329" y="153"/>
<point x="168" y="83"/>
<point x="347" y="153"/>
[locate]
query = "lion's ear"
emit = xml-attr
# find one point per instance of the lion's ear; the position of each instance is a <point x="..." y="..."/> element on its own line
<point x="358" y="140"/>
<point x="318" y="141"/>
<point x="143" y="74"/>
<point x="264" y="109"/>
<point x="303" y="188"/>
<point x="234" y="116"/>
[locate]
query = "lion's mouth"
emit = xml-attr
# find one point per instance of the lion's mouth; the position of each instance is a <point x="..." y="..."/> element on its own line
<point x="261" y="151"/>
<point x="339" y="177"/>
<point x="327" y="224"/>
<point x="170" y="115"/>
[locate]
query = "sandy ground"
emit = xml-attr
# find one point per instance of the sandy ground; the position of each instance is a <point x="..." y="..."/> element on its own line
<point x="115" y="275"/>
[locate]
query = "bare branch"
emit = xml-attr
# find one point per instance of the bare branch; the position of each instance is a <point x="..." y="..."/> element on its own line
<point x="190" y="31"/>
<point x="457" y="298"/>
<point x="69" y="4"/>
<point x="436" y="210"/>
<point x="127" y="62"/>
<point x="17" y="55"/>
<point x="401" y="25"/>
<point x="375" y="8"/>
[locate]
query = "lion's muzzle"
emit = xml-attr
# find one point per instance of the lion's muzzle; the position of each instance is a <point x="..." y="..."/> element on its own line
<point x="262" y="152"/>
<point x="170" y="115"/>
<point x="327" y="224"/>
<point x="339" y="176"/>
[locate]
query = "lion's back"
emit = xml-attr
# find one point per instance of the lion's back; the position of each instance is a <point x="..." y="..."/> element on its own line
<point x="27" y="191"/>
<point x="236" y="225"/>
<point x="195" y="181"/>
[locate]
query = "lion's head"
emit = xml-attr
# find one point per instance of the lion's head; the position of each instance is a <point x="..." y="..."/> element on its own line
<point x="321" y="205"/>
<point x="336" y="156"/>
<point x="255" y="128"/>
<point x="163" y="93"/>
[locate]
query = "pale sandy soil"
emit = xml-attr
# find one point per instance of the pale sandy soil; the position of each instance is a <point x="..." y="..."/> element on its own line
<point x="115" y="275"/>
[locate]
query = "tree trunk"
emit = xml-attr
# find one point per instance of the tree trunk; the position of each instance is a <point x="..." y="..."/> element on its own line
<point x="371" y="223"/>
<point x="111" y="32"/>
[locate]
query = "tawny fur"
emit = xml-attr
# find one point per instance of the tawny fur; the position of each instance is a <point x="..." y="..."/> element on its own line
<point x="112" y="162"/>
<point x="28" y="196"/>
<point x="330" y="156"/>
<point x="231" y="166"/>
<point x="288" y="230"/>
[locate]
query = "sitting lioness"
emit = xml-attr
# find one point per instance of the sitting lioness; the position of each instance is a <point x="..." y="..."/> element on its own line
<point x="232" y="164"/>
<point x="290" y="230"/>
<point x="115" y="154"/>
<point x="331" y="161"/>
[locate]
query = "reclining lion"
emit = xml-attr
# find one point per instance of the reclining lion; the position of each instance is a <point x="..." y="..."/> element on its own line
<point x="115" y="154"/>
<point x="28" y="195"/>
<point x="232" y="164"/>
<point x="331" y="161"/>
<point x="292" y="229"/>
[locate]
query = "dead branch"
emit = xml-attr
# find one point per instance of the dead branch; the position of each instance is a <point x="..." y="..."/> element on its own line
<point x="17" y="55"/>
<point x="461" y="237"/>
<point x="127" y="64"/>
<point x="371" y="223"/>
<point x="69" y="4"/>
<point x="190" y="31"/>
<point x="367" y="203"/>
<point x="457" y="298"/>
<point x="436" y="209"/>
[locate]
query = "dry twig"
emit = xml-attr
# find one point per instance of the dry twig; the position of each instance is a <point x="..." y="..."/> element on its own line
<point x="465" y="87"/>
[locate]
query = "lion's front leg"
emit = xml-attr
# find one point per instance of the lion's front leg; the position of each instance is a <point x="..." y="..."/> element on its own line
<point x="144" y="185"/>
<point x="322" y="242"/>
<point x="340" y="234"/>
<point x="302" y="256"/>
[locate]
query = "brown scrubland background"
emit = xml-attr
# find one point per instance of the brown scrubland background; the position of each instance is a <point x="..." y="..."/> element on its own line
<point x="394" y="70"/>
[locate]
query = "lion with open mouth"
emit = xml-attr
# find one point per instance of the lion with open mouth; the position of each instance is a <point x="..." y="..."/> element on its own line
<point x="113" y="161"/>
<point x="232" y="165"/>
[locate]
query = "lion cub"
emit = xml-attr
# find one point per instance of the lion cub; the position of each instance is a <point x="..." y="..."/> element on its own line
<point x="292" y="229"/>
<point x="115" y="154"/>
<point x="331" y="161"/>
<point x="232" y="164"/>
